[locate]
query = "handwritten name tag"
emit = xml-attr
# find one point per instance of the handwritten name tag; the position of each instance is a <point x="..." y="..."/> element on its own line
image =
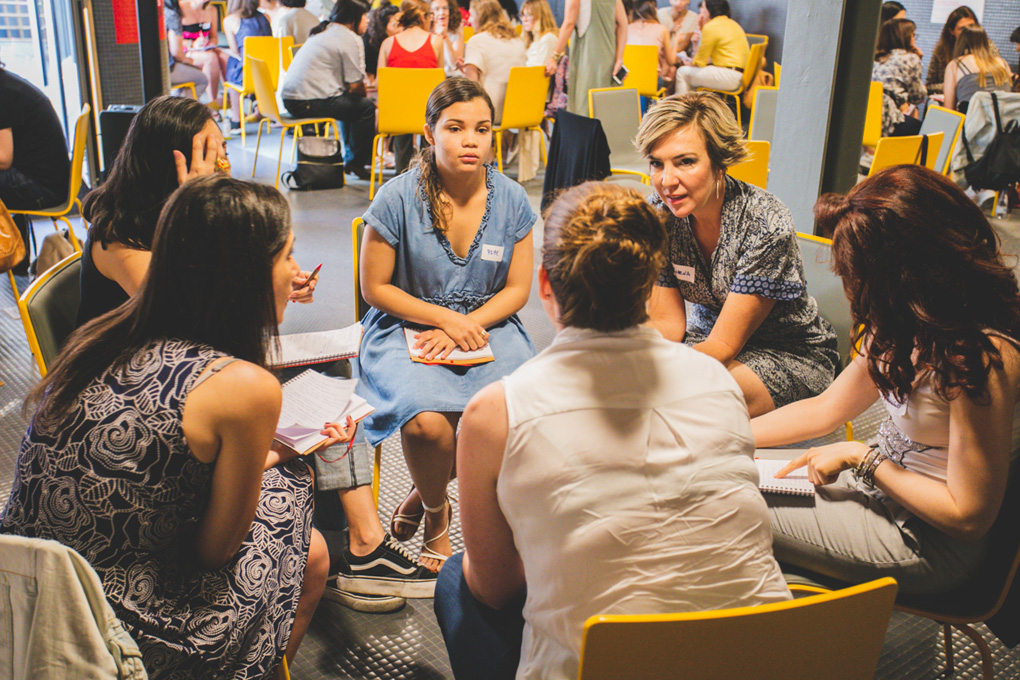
<point x="492" y="253"/>
<point x="683" y="273"/>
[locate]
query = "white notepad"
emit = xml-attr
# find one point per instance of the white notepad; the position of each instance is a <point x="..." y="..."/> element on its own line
<point x="311" y="400"/>
<point x="794" y="484"/>
<point x="458" y="357"/>
<point x="301" y="349"/>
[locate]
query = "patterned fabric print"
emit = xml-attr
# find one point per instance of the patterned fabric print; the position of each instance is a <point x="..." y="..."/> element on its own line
<point x="901" y="78"/>
<point x="117" y="483"/>
<point x="793" y="351"/>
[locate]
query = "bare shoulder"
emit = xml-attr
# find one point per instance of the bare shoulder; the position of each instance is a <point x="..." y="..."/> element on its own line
<point x="488" y="406"/>
<point x="240" y="391"/>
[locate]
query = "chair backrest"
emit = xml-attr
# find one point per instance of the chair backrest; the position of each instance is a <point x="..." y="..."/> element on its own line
<point x="949" y="122"/>
<point x="294" y="50"/>
<point x="81" y="134"/>
<point x="403" y="93"/>
<point x="619" y="110"/>
<point x="468" y="33"/>
<point x="642" y="62"/>
<point x="831" y="635"/>
<point x="826" y="288"/>
<point x="265" y="93"/>
<point x="755" y="38"/>
<point x="754" y="60"/>
<point x="286" y="42"/>
<point x="266" y="48"/>
<point x="763" y="115"/>
<point x="905" y="150"/>
<point x="357" y="234"/>
<point x="755" y="170"/>
<point x="873" y="116"/>
<point x="49" y="309"/>
<point x="777" y="69"/>
<point x="524" y="105"/>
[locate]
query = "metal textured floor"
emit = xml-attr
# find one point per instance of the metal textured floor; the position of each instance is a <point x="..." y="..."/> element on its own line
<point x="406" y="645"/>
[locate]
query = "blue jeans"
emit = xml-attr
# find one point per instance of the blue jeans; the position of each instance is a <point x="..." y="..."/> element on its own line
<point x="482" y="643"/>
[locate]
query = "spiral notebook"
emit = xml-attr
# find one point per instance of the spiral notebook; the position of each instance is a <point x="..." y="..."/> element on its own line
<point x="309" y="401"/>
<point x="795" y="483"/>
<point x="302" y="349"/>
<point x="458" y="357"/>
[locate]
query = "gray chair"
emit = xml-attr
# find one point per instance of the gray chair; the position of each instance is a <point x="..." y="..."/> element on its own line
<point x="49" y="309"/>
<point x="619" y="111"/>
<point x="826" y="288"/>
<point x="763" y="115"/>
<point x="940" y="119"/>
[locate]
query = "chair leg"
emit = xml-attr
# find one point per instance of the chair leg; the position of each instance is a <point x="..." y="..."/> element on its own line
<point x="376" y="477"/>
<point x="293" y="144"/>
<point x="377" y="153"/>
<point x="947" y="641"/>
<point x="14" y="285"/>
<point x="70" y="232"/>
<point x="499" y="149"/>
<point x="279" y="156"/>
<point x="258" y="142"/>
<point x="541" y="145"/>
<point x="987" y="667"/>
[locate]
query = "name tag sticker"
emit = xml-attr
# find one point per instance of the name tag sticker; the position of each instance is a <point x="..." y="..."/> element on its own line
<point x="492" y="253"/>
<point x="683" y="273"/>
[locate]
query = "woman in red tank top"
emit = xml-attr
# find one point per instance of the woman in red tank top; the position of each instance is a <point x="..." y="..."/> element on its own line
<point x="414" y="47"/>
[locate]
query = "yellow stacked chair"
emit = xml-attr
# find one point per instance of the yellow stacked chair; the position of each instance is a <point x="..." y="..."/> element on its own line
<point x="266" y="49"/>
<point x="754" y="58"/>
<point x="642" y="62"/>
<point x="755" y="170"/>
<point x="524" y="106"/>
<point x="905" y="150"/>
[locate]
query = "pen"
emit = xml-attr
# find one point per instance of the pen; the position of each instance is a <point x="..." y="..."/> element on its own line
<point x="311" y="277"/>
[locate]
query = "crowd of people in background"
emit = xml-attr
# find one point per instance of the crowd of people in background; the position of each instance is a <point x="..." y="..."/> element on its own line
<point x="155" y="425"/>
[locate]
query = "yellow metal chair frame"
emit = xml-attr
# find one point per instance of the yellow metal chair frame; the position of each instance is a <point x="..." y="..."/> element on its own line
<point x="74" y="259"/>
<point x="81" y="132"/>
<point x="754" y="57"/>
<point x="592" y="93"/>
<point x="642" y="62"/>
<point x="905" y="150"/>
<point x="524" y="106"/>
<point x="265" y="95"/>
<point x="944" y="170"/>
<point x="189" y="85"/>
<point x="873" y="116"/>
<point x="291" y="53"/>
<point x="836" y="634"/>
<point x="360" y="310"/>
<point x="755" y="170"/>
<point x="402" y="94"/>
<point x="757" y="37"/>
<point x="777" y="70"/>
<point x="267" y="49"/>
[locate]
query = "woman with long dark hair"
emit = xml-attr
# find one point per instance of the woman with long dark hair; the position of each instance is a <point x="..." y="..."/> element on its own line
<point x="937" y="315"/>
<point x="155" y="429"/>
<point x="447" y="252"/>
<point x="898" y="68"/>
<point x="958" y="19"/>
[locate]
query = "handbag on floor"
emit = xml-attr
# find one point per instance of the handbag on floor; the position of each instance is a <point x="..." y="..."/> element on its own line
<point x="320" y="165"/>
<point x="12" y="247"/>
<point x="999" y="168"/>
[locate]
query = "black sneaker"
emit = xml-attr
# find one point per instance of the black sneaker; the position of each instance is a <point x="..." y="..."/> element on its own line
<point x="388" y="570"/>
<point x="359" y="171"/>
<point x="370" y="604"/>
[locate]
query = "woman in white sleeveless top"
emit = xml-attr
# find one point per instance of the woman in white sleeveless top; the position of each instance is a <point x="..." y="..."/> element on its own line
<point x="938" y="316"/>
<point x="610" y="474"/>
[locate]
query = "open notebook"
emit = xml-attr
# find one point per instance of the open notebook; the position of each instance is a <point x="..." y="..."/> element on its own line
<point x="457" y="357"/>
<point x="794" y="484"/>
<point x="301" y="349"/>
<point x="309" y="401"/>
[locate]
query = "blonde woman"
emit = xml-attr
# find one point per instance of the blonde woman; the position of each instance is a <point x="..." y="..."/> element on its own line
<point x="446" y="23"/>
<point x="976" y="68"/>
<point x="539" y="35"/>
<point x="492" y="51"/>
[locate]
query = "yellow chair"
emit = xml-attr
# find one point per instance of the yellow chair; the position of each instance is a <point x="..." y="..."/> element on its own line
<point x="518" y="29"/>
<point x="49" y="309"/>
<point x="642" y="62"/>
<point x="524" y="106"/>
<point x="763" y="114"/>
<point x="265" y="95"/>
<point x="189" y="85"/>
<point x="776" y="68"/>
<point x="831" y="635"/>
<point x="221" y="11"/>
<point x="905" y="150"/>
<point x="403" y="93"/>
<point x="468" y="32"/>
<point x="941" y="119"/>
<point x="293" y="53"/>
<point x="360" y="310"/>
<point x="286" y="43"/>
<point x="266" y="49"/>
<point x="750" y="72"/>
<point x="619" y="111"/>
<point x="81" y="132"/>
<point x="873" y="117"/>
<point x="754" y="170"/>
<point x="756" y="38"/>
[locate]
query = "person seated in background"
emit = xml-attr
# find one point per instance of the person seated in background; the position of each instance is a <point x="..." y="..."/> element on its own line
<point x="611" y="474"/>
<point x="492" y="51"/>
<point x="1014" y="38"/>
<point x="937" y="319"/>
<point x="382" y="23"/>
<point x="34" y="169"/>
<point x="539" y="33"/>
<point x="958" y="19"/>
<point x="156" y="424"/>
<point x="446" y="23"/>
<point x="645" y="29"/>
<point x="681" y="22"/>
<point x="294" y="20"/>
<point x="892" y="10"/>
<point x="246" y="21"/>
<point x="326" y="79"/>
<point x="191" y="36"/>
<point x="898" y="68"/>
<point x="733" y="254"/>
<point x="974" y="68"/>
<point x="722" y="53"/>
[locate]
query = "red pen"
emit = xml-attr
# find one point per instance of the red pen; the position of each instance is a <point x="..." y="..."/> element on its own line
<point x="311" y="277"/>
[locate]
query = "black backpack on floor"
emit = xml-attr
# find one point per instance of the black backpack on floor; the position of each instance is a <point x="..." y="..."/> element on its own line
<point x="320" y="165"/>
<point x="999" y="168"/>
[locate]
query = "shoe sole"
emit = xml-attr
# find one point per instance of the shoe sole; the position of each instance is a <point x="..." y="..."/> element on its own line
<point x="360" y="603"/>
<point x="363" y="585"/>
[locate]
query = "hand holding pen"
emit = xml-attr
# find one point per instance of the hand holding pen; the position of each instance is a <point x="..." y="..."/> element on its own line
<point x="304" y="286"/>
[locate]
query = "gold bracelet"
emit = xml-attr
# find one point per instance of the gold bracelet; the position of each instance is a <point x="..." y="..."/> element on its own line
<point x="558" y="55"/>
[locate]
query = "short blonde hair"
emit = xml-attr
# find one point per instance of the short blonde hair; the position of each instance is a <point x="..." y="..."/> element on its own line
<point x="724" y="139"/>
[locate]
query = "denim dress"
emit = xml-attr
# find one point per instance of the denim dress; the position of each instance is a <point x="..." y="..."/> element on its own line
<point x="427" y="268"/>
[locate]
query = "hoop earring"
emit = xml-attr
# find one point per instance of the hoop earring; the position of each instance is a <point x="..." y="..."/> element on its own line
<point x="717" y="188"/>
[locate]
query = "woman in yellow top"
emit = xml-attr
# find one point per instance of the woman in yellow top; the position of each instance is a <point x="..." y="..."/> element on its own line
<point x="722" y="53"/>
